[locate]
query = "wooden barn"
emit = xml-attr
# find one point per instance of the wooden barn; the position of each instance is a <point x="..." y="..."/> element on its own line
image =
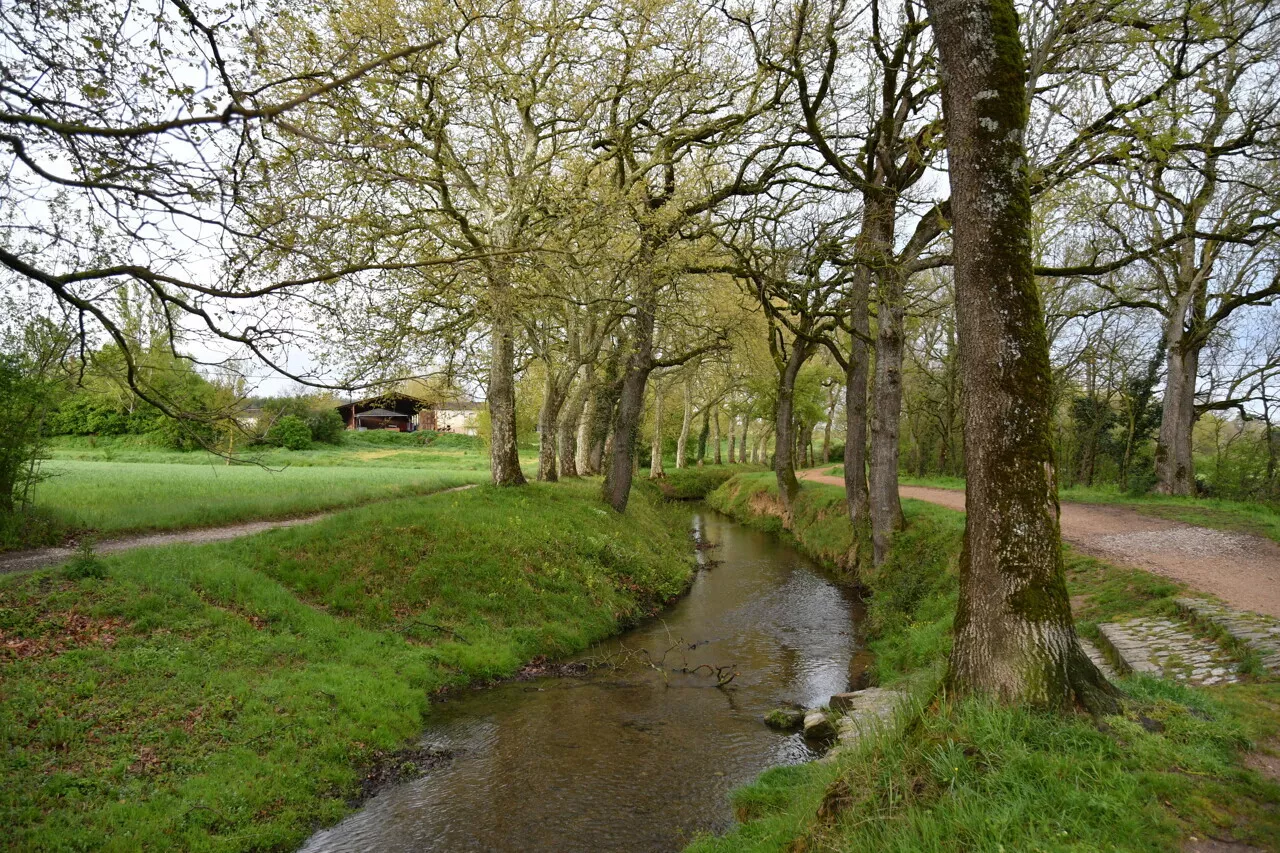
<point x="394" y="411"/>
<point x="401" y="412"/>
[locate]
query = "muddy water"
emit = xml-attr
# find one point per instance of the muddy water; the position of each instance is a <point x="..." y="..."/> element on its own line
<point x="637" y="757"/>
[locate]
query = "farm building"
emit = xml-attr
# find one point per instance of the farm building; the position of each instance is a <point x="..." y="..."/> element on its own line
<point x="404" y="413"/>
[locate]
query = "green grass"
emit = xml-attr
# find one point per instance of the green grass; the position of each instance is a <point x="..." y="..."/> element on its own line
<point x="692" y="483"/>
<point x="224" y="697"/>
<point x="975" y="776"/>
<point x="125" y="484"/>
<point x="115" y="497"/>
<point x="373" y="449"/>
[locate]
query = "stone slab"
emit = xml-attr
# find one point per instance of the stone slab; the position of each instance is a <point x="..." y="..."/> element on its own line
<point x="1252" y="630"/>
<point x="1163" y="648"/>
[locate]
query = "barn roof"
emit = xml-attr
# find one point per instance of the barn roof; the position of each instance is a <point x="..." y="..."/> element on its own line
<point x="380" y="413"/>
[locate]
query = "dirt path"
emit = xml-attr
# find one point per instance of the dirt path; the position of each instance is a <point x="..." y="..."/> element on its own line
<point x="39" y="558"/>
<point x="1240" y="569"/>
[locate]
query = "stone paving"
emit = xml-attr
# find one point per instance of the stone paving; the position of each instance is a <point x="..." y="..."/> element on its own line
<point x="1163" y="648"/>
<point x="863" y="711"/>
<point x="1252" y="630"/>
<point x="1099" y="659"/>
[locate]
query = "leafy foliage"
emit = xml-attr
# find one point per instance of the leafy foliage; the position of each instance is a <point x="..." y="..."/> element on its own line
<point x="290" y="432"/>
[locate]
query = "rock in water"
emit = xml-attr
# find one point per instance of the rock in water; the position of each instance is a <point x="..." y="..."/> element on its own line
<point x="818" y="726"/>
<point x="784" y="719"/>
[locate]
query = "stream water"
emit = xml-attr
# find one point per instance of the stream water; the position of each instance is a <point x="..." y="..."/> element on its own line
<point x="638" y="756"/>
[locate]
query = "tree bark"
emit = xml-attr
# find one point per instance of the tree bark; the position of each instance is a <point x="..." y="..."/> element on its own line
<point x="742" y="445"/>
<point x="586" y="422"/>
<point x="570" y="421"/>
<point x="784" y="459"/>
<point x="875" y="251"/>
<point x="504" y="454"/>
<point x="1175" y="468"/>
<point x="548" y="432"/>
<point x="617" y="482"/>
<point x="857" y="497"/>
<point x="826" y="429"/>
<point x="655" y="447"/>
<point x="715" y="435"/>
<point x="733" y="439"/>
<point x="1014" y="636"/>
<point x="682" y="443"/>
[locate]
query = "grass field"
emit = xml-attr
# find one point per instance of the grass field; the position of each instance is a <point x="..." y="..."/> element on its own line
<point x="115" y="497"/>
<point x="122" y="485"/>
<point x="968" y="775"/>
<point x="225" y="697"/>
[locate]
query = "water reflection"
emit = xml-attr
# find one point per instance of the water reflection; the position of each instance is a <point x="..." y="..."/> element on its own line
<point x="633" y="758"/>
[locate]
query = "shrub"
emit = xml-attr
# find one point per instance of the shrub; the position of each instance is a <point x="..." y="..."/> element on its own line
<point x="290" y="432"/>
<point x="85" y="564"/>
<point x="326" y="425"/>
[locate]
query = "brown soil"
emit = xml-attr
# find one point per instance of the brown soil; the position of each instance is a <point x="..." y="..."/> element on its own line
<point x="1240" y="569"/>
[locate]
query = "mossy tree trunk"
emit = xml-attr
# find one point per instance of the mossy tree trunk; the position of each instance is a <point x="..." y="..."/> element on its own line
<point x="784" y="468"/>
<point x="655" y="445"/>
<point x="1175" y="467"/>
<point x="617" y="482"/>
<point x="504" y="455"/>
<point x="1015" y="638"/>
<point x="857" y="497"/>
<point x="548" y="418"/>
<point x="682" y="443"/>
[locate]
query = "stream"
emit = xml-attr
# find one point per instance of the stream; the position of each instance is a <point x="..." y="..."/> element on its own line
<point x="638" y="756"/>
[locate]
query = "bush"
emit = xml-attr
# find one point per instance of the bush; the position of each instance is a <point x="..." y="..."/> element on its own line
<point x="290" y="432"/>
<point x="85" y="564"/>
<point x="326" y="425"/>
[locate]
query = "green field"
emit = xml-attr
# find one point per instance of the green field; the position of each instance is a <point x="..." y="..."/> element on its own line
<point x="115" y="486"/>
<point x="226" y="697"/>
<point x="114" y="497"/>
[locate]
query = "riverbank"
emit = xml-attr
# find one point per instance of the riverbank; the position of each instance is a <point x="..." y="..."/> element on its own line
<point x="1178" y="767"/>
<point x="273" y="669"/>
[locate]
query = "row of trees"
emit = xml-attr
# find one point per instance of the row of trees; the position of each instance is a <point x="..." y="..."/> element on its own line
<point x="622" y="198"/>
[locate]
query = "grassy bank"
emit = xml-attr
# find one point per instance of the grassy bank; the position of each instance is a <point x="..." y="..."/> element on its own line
<point x="972" y="776"/>
<point x="692" y="483"/>
<point x="224" y="697"/>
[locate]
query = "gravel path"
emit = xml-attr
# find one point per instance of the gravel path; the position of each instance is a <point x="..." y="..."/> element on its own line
<point x="39" y="558"/>
<point x="1240" y="569"/>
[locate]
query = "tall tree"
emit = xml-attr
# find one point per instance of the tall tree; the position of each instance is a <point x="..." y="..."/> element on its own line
<point x="1014" y="635"/>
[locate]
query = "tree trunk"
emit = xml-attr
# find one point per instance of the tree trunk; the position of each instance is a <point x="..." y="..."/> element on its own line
<point x="1175" y="469"/>
<point x="682" y="443"/>
<point x="857" y="497"/>
<point x="703" y="434"/>
<point x="886" y="403"/>
<point x="549" y="426"/>
<point x="655" y="447"/>
<point x="784" y="460"/>
<point x="582" y="459"/>
<point x="1014" y="637"/>
<point x="504" y="455"/>
<point x="826" y="429"/>
<point x="733" y="439"/>
<point x="617" y="482"/>
<point x="569" y="425"/>
<point x="715" y="434"/>
<point x="742" y="445"/>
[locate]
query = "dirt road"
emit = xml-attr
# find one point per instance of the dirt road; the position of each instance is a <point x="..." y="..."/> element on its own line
<point x="1242" y="570"/>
